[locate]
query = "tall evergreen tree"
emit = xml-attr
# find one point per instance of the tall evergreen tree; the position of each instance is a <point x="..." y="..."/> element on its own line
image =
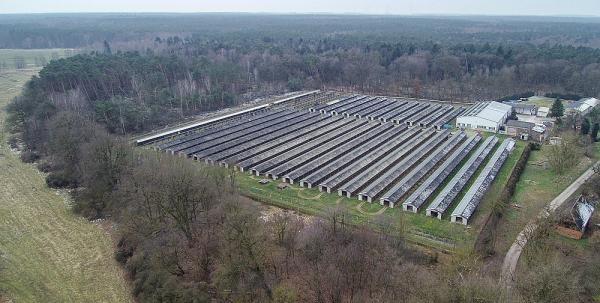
<point x="585" y="126"/>
<point x="558" y="110"/>
<point x="594" y="132"/>
<point x="107" y="49"/>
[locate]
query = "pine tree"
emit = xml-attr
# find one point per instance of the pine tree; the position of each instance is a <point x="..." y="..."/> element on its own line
<point x="107" y="49"/>
<point x="558" y="110"/>
<point x="585" y="127"/>
<point x="594" y="132"/>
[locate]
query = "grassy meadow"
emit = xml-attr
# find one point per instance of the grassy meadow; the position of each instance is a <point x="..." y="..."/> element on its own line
<point x="47" y="253"/>
<point x="31" y="58"/>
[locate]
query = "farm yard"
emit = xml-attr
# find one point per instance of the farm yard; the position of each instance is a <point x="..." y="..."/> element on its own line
<point x="373" y="156"/>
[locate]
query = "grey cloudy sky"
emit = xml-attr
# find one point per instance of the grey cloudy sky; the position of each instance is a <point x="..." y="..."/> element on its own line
<point x="488" y="7"/>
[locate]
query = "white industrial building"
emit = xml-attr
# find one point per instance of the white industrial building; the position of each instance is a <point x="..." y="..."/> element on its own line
<point x="487" y="116"/>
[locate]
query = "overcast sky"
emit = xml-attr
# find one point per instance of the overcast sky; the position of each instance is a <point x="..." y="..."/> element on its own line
<point x="454" y="7"/>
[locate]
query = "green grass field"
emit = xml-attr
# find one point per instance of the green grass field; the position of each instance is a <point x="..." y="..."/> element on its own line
<point x="421" y="229"/>
<point x="540" y="101"/>
<point x="545" y="101"/>
<point x="441" y="234"/>
<point x="47" y="253"/>
<point x="31" y="58"/>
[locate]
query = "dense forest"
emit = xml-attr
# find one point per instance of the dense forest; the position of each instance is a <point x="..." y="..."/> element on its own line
<point x="82" y="30"/>
<point x="150" y="69"/>
<point x="134" y="85"/>
<point x="185" y="233"/>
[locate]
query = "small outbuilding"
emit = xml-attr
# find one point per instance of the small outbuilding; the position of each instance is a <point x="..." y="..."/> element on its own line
<point x="519" y="129"/>
<point x="525" y="130"/>
<point x="525" y="109"/>
<point x="543" y="112"/>
<point x="574" y="221"/>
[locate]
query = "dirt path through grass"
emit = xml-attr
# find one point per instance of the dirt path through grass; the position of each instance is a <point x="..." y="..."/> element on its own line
<point x="48" y="254"/>
<point x="379" y="212"/>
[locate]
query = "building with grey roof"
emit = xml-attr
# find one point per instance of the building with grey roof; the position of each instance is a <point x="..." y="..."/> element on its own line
<point x="486" y="116"/>
<point x="470" y="201"/>
<point x="525" y="130"/>
<point x="525" y="109"/>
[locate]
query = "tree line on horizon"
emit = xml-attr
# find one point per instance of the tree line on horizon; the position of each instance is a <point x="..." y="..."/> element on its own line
<point x="134" y="91"/>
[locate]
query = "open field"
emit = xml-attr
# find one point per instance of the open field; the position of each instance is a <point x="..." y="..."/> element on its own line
<point x="540" y="101"/>
<point x="12" y="58"/>
<point x="48" y="254"/>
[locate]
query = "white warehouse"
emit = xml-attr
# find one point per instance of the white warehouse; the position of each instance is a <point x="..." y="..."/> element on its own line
<point x="487" y="116"/>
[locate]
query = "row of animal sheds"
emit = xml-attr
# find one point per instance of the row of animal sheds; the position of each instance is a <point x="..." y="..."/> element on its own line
<point x="377" y="149"/>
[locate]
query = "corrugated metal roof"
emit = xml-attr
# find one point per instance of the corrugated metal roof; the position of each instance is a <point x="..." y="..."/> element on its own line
<point x="492" y="111"/>
<point x="591" y="102"/>
<point x="585" y="104"/>
<point x="470" y="201"/>
<point x="499" y="106"/>
<point x="492" y="115"/>
<point x="538" y="129"/>
<point x="582" y="212"/>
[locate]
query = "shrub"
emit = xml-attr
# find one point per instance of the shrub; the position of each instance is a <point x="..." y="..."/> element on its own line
<point x="549" y="282"/>
<point x="86" y="207"/>
<point x="284" y="294"/>
<point x="29" y="156"/>
<point x="58" y="180"/>
<point x="123" y="252"/>
<point x="13" y="142"/>
<point x="44" y="166"/>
